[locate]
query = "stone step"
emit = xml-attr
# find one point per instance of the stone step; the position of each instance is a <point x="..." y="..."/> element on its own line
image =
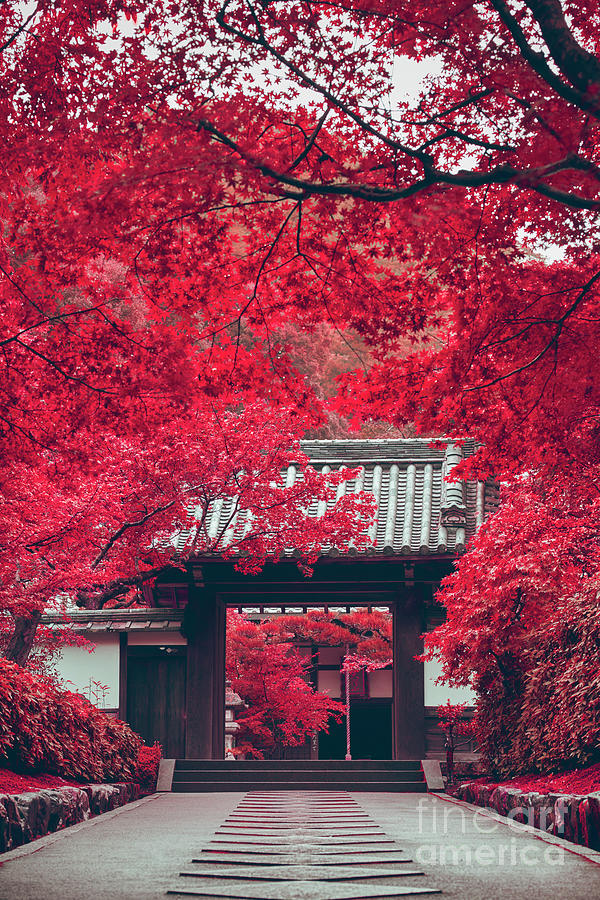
<point x="296" y="784"/>
<point x="300" y="775"/>
<point x="300" y="764"/>
<point x="274" y="775"/>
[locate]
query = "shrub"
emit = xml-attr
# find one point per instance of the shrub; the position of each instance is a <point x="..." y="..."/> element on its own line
<point x="559" y="721"/>
<point x="46" y="729"/>
<point x="146" y="772"/>
<point x="543" y="713"/>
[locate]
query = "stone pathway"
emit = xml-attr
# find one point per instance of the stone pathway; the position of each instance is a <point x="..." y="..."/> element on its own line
<point x="301" y="845"/>
<point x="138" y="852"/>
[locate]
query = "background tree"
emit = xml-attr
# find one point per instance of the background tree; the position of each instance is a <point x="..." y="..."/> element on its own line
<point x="100" y="529"/>
<point x="367" y="634"/>
<point x="283" y="708"/>
<point x="265" y="666"/>
<point x="522" y="628"/>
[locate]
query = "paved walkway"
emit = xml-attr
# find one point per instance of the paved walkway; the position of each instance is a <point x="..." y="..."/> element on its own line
<point x="296" y="846"/>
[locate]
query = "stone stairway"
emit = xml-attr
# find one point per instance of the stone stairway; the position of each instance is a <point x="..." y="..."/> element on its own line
<point x="306" y="775"/>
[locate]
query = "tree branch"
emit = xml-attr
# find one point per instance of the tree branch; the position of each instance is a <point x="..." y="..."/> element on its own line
<point x="530" y="179"/>
<point x="106" y="592"/>
<point x="125" y="527"/>
<point x="538" y="62"/>
<point x="574" y="61"/>
<point x="553" y="342"/>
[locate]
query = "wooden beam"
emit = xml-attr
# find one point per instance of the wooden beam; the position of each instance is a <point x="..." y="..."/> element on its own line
<point x="123" y="676"/>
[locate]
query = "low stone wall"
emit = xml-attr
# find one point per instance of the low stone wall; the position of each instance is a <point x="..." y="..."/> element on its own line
<point x="24" y="817"/>
<point x="575" y="817"/>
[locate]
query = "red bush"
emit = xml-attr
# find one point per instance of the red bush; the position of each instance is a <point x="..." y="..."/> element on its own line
<point x="146" y="772"/>
<point x="576" y="781"/>
<point x="46" y="729"/>
<point x="452" y="719"/>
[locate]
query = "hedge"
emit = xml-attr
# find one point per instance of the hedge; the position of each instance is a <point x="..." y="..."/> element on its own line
<point x="46" y="729"/>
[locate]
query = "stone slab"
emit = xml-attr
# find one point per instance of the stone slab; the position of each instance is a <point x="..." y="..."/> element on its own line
<point x="282" y="830"/>
<point x="283" y="841"/>
<point x="166" y="769"/>
<point x="298" y="890"/>
<point x="330" y="803"/>
<point x="347" y="857"/>
<point x="295" y="815"/>
<point x="294" y="824"/>
<point x="283" y="859"/>
<point x="344" y="809"/>
<point x="297" y="836"/>
<point x="279" y="815"/>
<point x="298" y="804"/>
<point x="281" y="824"/>
<point x="297" y="811"/>
<point x="433" y="774"/>
<point x="279" y="799"/>
<point x="297" y="872"/>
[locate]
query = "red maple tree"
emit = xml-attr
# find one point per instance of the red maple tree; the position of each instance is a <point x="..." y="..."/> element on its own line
<point x="105" y="524"/>
<point x="523" y="628"/>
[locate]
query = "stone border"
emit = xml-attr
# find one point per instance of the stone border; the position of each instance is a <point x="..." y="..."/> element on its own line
<point x="33" y="814"/>
<point x="166" y="769"/>
<point x="433" y="775"/>
<point x="574" y="817"/>
<point x="592" y="856"/>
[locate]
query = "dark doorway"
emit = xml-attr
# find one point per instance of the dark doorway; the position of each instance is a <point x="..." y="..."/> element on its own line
<point x="370" y="732"/>
<point x="156" y="696"/>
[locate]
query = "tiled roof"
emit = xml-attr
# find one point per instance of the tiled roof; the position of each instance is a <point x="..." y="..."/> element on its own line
<point x="92" y="620"/>
<point x="418" y="511"/>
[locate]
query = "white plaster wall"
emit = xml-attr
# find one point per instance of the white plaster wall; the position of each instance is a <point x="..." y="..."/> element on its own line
<point x="78" y="668"/>
<point x="380" y="683"/>
<point x="436" y="694"/>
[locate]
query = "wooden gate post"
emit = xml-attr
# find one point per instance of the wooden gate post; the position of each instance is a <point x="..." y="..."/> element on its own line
<point x="204" y="627"/>
<point x="409" y="689"/>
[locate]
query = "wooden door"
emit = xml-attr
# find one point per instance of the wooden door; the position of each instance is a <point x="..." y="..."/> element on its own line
<point x="156" y="696"/>
<point x="370" y="732"/>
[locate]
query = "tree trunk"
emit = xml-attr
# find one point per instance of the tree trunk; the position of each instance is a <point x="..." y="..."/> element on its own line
<point x="21" y="640"/>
